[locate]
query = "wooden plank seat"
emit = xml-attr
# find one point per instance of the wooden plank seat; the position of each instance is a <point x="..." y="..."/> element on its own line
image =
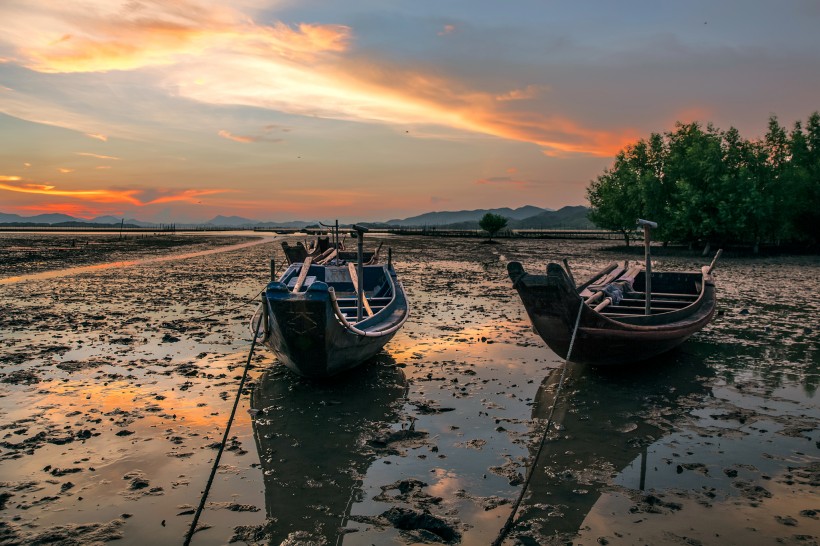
<point x="678" y="304"/>
<point x="625" y="310"/>
<point x="691" y="297"/>
<point x="351" y="302"/>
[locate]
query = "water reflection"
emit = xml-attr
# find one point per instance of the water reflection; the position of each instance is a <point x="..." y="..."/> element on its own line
<point x="312" y="442"/>
<point x="603" y="421"/>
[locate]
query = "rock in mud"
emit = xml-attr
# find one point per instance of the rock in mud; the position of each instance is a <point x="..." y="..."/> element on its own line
<point x="428" y="526"/>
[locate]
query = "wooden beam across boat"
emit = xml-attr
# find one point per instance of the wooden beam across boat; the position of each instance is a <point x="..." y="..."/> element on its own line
<point x="596" y="276"/>
<point x="355" y="278"/>
<point x="302" y="275"/>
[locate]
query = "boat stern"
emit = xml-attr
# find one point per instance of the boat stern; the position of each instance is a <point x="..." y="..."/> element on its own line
<point x="298" y="327"/>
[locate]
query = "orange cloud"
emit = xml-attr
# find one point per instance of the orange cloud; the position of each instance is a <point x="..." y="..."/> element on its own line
<point x="97" y="136"/>
<point x="65" y="171"/>
<point x="72" y="209"/>
<point x="220" y="56"/>
<point x="237" y="138"/>
<point x="265" y="137"/>
<point x="140" y="197"/>
<point x="529" y="92"/>
<point x="97" y="156"/>
<point x="158" y="34"/>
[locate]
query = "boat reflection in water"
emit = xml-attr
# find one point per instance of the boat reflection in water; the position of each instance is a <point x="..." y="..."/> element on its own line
<point x="603" y="423"/>
<point x="312" y="442"/>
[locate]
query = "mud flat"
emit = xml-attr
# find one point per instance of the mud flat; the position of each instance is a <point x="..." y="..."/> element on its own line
<point x="116" y="384"/>
<point x="23" y="254"/>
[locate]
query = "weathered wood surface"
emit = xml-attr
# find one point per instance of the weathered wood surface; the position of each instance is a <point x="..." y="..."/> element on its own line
<point x="614" y="333"/>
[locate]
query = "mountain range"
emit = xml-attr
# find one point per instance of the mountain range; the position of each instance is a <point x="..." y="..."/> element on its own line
<point x="527" y="217"/>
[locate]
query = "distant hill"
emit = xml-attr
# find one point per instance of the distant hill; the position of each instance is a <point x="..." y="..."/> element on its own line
<point x="115" y="220"/>
<point x="528" y="217"/>
<point x="573" y="217"/>
<point x="238" y="221"/>
<point x="38" y="219"/>
<point x="453" y="217"/>
<point x="231" y="221"/>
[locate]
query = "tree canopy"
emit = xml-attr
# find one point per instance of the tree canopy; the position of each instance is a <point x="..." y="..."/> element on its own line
<point x="703" y="185"/>
<point x="492" y="223"/>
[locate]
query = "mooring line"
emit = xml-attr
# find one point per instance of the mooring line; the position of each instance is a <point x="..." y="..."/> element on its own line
<point x="509" y="524"/>
<point x="192" y="530"/>
<point x="244" y="302"/>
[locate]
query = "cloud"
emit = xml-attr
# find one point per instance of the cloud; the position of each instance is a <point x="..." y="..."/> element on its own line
<point x="448" y="29"/>
<point x="237" y="138"/>
<point x="264" y="137"/>
<point x="63" y="170"/>
<point x="528" y="92"/>
<point x="137" y="197"/>
<point x="101" y="36"/>
<point x="97" y="136"/>
<point x="219" y="56"/>
<point x="97" y="156"/>
<point x="78" y="210"/>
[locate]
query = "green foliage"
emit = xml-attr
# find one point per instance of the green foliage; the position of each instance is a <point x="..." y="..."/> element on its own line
<point x="712" y="186"/>
<point x="492" y="223"/>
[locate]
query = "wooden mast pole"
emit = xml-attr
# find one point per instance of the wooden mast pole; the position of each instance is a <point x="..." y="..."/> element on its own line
<point x="359" y="232"/>
<point x="647" y="225"/>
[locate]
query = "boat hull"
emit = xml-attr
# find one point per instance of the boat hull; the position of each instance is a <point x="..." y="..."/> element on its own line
<point x="308" y="331"/>
<point x="307" y="337"/>
<point x="552" y="304"/>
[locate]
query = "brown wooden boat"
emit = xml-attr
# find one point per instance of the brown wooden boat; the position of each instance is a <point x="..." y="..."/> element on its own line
<point x="616" y="326"/>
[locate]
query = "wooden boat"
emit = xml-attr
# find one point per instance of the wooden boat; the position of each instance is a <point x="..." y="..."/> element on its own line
<point x="613" y="327"/>
<point x="324" y="250"/>
<point x="621" y="314"/>
<point x="322" y="319"/>
<point x="299" y="251"/>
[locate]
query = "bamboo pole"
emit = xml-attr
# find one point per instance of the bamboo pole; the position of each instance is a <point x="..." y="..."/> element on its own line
<point x="647" y="239"/>
<point x="302" y="275"/>
<point x="360" y="231"/>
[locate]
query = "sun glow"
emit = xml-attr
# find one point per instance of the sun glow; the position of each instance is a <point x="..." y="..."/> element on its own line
<point x="137" y="197"/>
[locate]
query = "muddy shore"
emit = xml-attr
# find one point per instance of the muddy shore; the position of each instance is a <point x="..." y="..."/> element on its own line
<point x="115" y="386"/>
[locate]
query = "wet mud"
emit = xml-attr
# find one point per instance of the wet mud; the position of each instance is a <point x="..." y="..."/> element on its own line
<point x="116" y="385"/>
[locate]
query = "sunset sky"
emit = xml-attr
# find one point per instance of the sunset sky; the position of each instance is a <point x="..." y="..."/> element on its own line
<point x="370" y="110"/>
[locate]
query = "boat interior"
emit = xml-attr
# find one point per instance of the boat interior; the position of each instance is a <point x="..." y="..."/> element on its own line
<point x="377" y="284"/>
<point x="622" y="292"/>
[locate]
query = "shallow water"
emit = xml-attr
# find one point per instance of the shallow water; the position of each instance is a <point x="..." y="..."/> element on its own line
<point x="117" y="384"/>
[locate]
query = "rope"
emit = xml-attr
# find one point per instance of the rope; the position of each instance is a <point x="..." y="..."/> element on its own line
<point x="192" y="530"/>
<point x="244" y="302"/>
<point x="509" y="524"/>
<point x="234" y="308"/>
